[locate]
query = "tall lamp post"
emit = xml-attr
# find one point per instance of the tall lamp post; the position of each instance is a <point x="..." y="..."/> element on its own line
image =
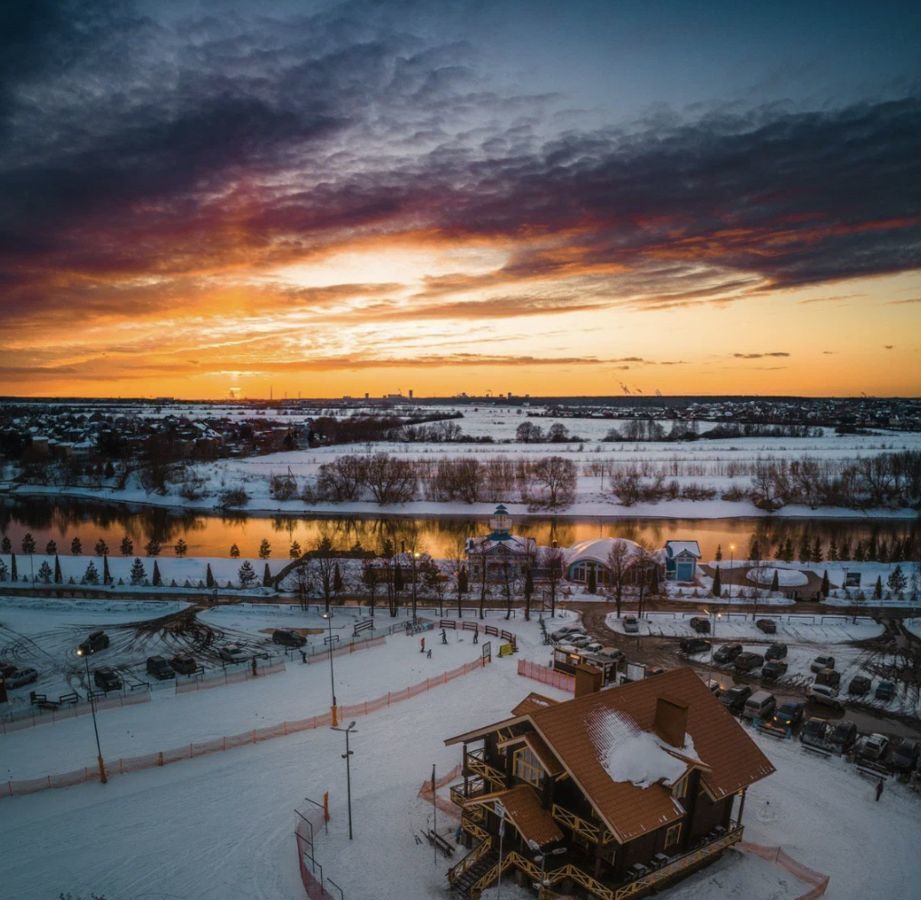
<point x="348" y="770"/>
<point x="328" y="615"/>
<point x="86" y="653"/>
<point x="732" y="559"/>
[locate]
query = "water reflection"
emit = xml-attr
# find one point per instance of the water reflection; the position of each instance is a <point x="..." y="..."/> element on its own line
<point x="212" y="535"/>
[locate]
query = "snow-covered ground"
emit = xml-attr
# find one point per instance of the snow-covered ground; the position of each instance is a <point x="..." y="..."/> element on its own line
<point x="913" y="626"/>
<point x="820" y="630"/>
<point x="220" y="827"/>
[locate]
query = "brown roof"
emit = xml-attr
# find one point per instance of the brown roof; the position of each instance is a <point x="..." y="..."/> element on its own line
<point x="534" y="823"/>
<point x="532" y="702"/>
<point x="720" y="742"/>
<point x="539" y="748"/>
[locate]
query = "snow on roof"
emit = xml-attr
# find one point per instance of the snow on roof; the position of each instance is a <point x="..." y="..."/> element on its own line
<point x="597" y="549"/>
<point x="627" y="753"/>
<point x="678" y="547"/>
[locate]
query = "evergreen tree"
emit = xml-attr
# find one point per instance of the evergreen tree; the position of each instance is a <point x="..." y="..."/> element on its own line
<point x="234" y="551"/>
<point x="152" y="547"/>
<point x="109" y="470"/>
<point x="28" y="543"/>
<point x="265" y="549"/>
<point x="817" y="551"/>
<point x="337" y="579"/>
<point x="897" y="581"/>
<point x="859" y="552"/>
<point x="51" y="548"/>
<point x="844" y="550"/>
<point x="127" y="546"/>
<point x="246" y="574"/>
<point x="826" y="584"/>
<point x="775" y="581"/>
<point x="91" y="575"/>
<point x="76" y="547"/>
<point x="13" y="574"/>
<point x="295" y="551"/>
<point x="592" y="583"/>
<point x="58" y="577"/>
<point x="788" y="550"/>
<point x="872" y="549"/>
<point x="180" y="548"/>
<point x="754" y="550"/>
<point x="6" y="545"/>
<point x="833" y="550"/>
<point x="157" y="581"/>
<point x="804" y="550"/>
<point x="106" y="577"/>
<point x="4" y="571"/>
<point x="44" y="572"/>
<point x="209" y="577"/>
<point x="878" y="590"/>
<point x="266" y="577"/>
<point x="528" y="592"/>
<point x="882" y="550"/>
<point x="719" y="553"/>
<point x="717" y="583"/>
<point x="137" y="571"/>
<point x="102" y="548"/>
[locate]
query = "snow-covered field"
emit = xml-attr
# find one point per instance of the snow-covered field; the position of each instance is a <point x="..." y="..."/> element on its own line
<point x="220" y="827"/>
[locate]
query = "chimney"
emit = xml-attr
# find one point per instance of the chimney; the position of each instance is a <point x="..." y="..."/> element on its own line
<point x="671" y="721"/>
<point x="588" y="679"/>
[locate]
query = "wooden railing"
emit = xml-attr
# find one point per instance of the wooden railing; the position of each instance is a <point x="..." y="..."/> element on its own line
<point x="510" y="859"/>
<point x="470" y="860"/>
<point x="589" y="830"/>
<point x="474" y="762"/>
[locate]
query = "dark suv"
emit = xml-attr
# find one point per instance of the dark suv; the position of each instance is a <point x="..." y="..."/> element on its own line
<point x="107" y="679"/>
<point x="776" y="650"/>
<point x="789" y="715"/>
<point x="692" y="646"/>
<point x="96" y="641"/>
<point x="748" y="662"/>
<point x="700" y="625"/>
<point x="773" y="669"/>
<point x="768" y="626"/>
<point x="184" y="664"/>
<point x="159" y="668"/>
<point x="841" y="736"/>
<point x="288" y="638"/>
<point x="860" y="685"/>
<point x="726" y="653"/>
<point x="734" y="698"/>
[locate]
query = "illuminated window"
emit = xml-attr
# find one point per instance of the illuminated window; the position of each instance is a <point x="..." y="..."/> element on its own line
<point x="672" y="836"/>
<point x="527" y="768"/>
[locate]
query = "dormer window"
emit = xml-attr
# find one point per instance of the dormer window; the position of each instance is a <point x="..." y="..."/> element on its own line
<point x="527" y="768"/>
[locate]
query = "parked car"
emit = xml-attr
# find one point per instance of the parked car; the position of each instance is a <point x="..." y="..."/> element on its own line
<point x="776" y="650"/>
<point x="6" y="669"/>
<point x="789" y="715"/>
<point x="631" y="626"/>
<point x="828" y="677"/>
<point x="814" y="733"/>
<point x="593" y="647"/>
<point x="96" y="641"/>
<point x="22" y="677"/>
<point x="768" y="626"/>
<point x="822" y="662"/>
<point x="560" y="633"/>
<point x="842" y="735"/>
<point x="579" y="640"/>
<point x="748" y="662"/>
<point x="700" y="624"/>
<point x="726" y="653"/>
<point x="759" y="705"/>
<point x="823" y="695"/>
<point x="885" y="691"/>
<point x="859" y="686"/>
<point x="734" y="698"/>
<point x="611" y="653"/>
<point x="904" y="755"/>
<point x="872" y="747"/>
<point x="288" y="638"/>
<point x="107" y="679"/>
<point x="233" y="653"/>
<point x="184" y="664"/>
<point x="773" y="669"/>
<point x="691" y="646"/>
<point x="159" y="668"/>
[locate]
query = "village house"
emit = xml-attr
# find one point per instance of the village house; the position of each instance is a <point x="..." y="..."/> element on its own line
<point x="681" y="558"/>
<point x="505" y="556"/>
<point x="595" y="554"/>
<point x="615" y="792"/>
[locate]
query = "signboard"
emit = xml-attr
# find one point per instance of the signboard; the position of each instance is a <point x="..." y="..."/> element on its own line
<point x="506" y="650"/>
<point x="852" y="579"/>
<point x="635" y="671"/>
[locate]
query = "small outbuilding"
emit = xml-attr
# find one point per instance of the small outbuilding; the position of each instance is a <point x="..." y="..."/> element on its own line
<point x="681" y="558"/>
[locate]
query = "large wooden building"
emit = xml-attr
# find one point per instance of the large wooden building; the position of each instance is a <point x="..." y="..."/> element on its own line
<point x="615" y="793"/>
<point x="503" y="557"/>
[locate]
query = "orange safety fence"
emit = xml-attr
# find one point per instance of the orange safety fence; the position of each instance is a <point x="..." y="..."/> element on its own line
<point x="217" y="745"/>
<point x="546" y="675"/>
<point x="444" y="805"/>
<point x="783" y="859"/>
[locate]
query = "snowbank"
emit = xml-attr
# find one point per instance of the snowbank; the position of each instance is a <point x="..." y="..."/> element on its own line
<point x="785" y="577"/>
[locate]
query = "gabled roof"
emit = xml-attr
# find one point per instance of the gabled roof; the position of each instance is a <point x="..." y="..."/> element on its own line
<point x="522" y="805"/>
<point x="674" y="548"/>
<point x="536" y="744"/>
<point x="531" y="702"/>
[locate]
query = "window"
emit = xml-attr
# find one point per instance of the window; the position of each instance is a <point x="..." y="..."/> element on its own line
<point x="672" y="836"/>
<point x="527" y="768"/>
<point x="680" y="790"/>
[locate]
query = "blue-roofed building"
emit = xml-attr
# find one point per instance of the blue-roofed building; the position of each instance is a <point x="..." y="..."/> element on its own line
<point x="505" y="556"/>
<point x="681" y="558"/>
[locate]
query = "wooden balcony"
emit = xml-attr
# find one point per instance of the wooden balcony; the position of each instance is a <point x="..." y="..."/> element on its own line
<point x="476" y="765"/>
<point x="596" y="834"/>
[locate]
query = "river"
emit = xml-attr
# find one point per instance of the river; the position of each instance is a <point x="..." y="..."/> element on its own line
<point x="61" y="520"/>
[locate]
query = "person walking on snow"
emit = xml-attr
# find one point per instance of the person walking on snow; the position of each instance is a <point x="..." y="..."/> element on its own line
<point x="444" y="636"/>
<point x="428" y="655"/>
<point x="422" y="645"/>
<point x="879" y="789"/>
<point x="476" y="636"/>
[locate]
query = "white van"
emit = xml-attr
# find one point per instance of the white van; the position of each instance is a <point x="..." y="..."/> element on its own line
<point x="760" y="705"/>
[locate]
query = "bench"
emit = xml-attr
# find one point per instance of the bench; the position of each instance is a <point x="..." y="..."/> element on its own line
<point x="439" y="843"/>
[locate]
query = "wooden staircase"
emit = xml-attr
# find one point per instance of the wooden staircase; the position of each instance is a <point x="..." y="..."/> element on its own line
<point x="460" y="887"/>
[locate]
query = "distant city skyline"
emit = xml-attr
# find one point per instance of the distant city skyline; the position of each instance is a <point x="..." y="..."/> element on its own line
<point x="321" y="198"/>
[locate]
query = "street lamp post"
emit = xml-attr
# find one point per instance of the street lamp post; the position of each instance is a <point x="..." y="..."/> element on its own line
<point x="89" y="691"/>
<point x="348" y="770"/>
<point x="328" y="615"/>
<point x="732" y="559"/>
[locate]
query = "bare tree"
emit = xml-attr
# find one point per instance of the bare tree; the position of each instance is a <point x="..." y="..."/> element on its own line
<point x="323" y="562"/>
<point x="553" y="564"/>
<point x="391" y="480"/>
<point x="556" y="478"/>
<point x="620" y="561"/>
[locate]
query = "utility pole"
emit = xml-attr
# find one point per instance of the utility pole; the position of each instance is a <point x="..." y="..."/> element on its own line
<point x="348" y="771"/>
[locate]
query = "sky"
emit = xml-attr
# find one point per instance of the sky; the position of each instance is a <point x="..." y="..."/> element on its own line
<point x="206" y="199"/>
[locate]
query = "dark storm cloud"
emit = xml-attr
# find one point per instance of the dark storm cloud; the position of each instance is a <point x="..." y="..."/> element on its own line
<point x="137" y="148"/>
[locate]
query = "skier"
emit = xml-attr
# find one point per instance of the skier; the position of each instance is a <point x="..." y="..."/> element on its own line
<point x="476" y="636"/>
<point x="422" y="645"/>
<point x="444" y="636"/>
<point x="879" y="789"/>
<point x="428" y="654"/>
